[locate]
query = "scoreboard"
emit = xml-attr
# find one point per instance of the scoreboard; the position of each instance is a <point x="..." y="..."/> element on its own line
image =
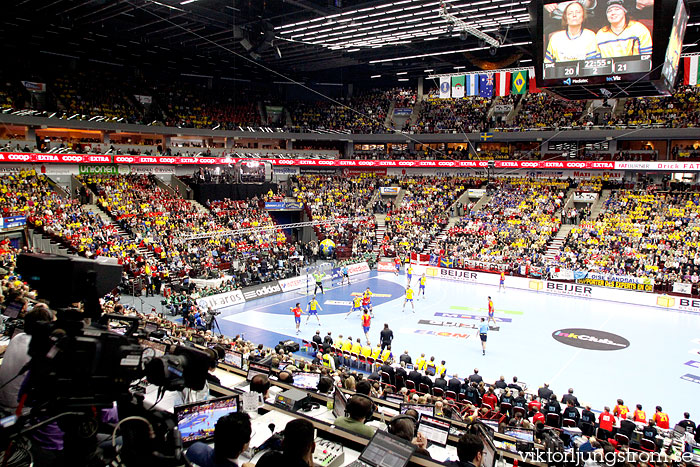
<point x="598" y="67"/>
<point x="607" y="48"/>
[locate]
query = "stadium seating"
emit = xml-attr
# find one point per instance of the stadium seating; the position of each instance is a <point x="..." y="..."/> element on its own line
<point x="640" y="233"/>
<point x="514" y="226"/>
<point x="329" y="198"/>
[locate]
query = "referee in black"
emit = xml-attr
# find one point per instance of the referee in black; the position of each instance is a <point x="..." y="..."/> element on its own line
<point x="386" y="336"/>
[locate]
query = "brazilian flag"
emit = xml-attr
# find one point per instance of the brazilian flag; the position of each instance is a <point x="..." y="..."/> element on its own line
<point x="519" y="82"/>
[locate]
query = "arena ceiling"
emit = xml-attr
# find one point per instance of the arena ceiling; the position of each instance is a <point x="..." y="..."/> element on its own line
<point x="318" y="40"/>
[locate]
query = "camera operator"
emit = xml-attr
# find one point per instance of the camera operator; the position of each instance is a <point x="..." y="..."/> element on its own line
<point x="12" y="370"/>
<point x="231" y="438"/>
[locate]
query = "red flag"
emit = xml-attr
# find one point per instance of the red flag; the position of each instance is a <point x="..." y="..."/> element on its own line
<point x="533" y="85"/>
<point x="503" y="83"/>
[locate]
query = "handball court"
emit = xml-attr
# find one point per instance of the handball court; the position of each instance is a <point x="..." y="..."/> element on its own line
<point x="663" y="344"/>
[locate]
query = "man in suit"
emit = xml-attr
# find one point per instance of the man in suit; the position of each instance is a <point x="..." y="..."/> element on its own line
<point x="514" y="385"/>
<point x="425" y="379"/>
<point x="401" y="371"/>
<point x="405" y="357"/>
<point x="441" y="383"/>
<point x="317" y="338"/>
<point x="544" y="392"/>
<point x="415" y="376"/>
<point x="627" y="426"/>
<point x="501" y="383"/>
<point x="392" y="373"/>
<point x="454" y="384"/>
<point x="570" y="397"/>
<point x="475" y="377"/>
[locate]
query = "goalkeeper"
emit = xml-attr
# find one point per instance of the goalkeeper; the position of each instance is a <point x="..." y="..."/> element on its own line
<point x="318" y="277"/>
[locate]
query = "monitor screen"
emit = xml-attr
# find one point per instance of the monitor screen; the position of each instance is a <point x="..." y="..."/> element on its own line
<point x="492" y="424"/>
<point x="586" y="42"/>
<point x="233" y="358"/>
<point x="488" y="458"/>
<point x="430" y="370"/>
<point x="150" y="327"/>
<point x="12" y="310"/>
<point x="257" y="369"/>
<point x="305" y="380"/>
<point x="197" y="421"/>
<point x="386" y="450"/>
<point x="339" y="403"/>
<point x="421" y="409"/>
<point x="395" y="398"/>
<point x="435" y="430"/>
<point x="521" y="434"/>
<point x="675" y="45"/>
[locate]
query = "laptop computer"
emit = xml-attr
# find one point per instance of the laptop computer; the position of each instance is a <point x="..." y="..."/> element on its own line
<point x="385" y="450"/>
<point x="253" y="369"/>
<point x="436" y="431"/>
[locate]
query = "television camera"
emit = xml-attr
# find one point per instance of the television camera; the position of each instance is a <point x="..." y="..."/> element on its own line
<point x="80" y="369"/>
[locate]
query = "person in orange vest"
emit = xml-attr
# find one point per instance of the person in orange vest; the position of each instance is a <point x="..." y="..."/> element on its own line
<point x="640" y="415"/>
<point x="661" y="418"/>
<point x="621" y="410"/>
<point x="606" y="421"/>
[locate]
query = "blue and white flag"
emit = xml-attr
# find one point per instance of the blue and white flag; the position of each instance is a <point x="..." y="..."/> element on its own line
<point x="472" y="85"/>
<point x="445" y="87"/>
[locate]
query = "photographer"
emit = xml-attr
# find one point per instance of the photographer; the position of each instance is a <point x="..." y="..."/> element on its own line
<point x="12" y="370"/>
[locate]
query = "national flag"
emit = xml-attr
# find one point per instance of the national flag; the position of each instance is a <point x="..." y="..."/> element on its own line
<point x="690" y="70"/>
<point x="503" y="83"/>
<point x="458" y="86"/>
<point x="533" y="85"/>
<point x="486" y="136"/>
<point x="486" y="85"/>
<point x="519" y="82"/>
<point x="445" y="87"/>
<point x="472" y="85"/>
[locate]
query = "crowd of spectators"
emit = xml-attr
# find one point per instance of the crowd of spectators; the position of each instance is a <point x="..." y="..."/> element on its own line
<point x="422" y="213"/>
<point x="329" y="198"/>
<point x="78" y="94"/>
<point x="515" y="225"/>
<point x="679" y="110"/>
<point x="543" y="111"/>
<point x="61" y="218"/>
<point x="645" y="234"/>
<point x="364" y="113"/>
<point x="437" y="115"/>
<point x="193" y="106"/>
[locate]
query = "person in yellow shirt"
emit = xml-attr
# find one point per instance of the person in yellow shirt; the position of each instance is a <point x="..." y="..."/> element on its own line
<point x="338" y="344"/>
<point x="376" y="351"/>
<point x="441" y="369"/>
<point x="421" y="286"/>
<point x="366" y="350"/>
<point x="357" y="347"/>
<point x="356" y="306"/>
<point x="347" y="345"/>
<point x="420" y="362"/>
<point x="386" y="355"/>
<point x="430" y="367"/>
<point x="409" y="298"/>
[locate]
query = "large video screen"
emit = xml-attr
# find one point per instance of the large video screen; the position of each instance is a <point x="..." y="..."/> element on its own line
<point x="675" y="45"/>
<point x="587" y="41"/>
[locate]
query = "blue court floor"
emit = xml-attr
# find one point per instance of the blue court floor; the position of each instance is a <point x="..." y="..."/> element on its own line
<point x="663" y="343"/>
